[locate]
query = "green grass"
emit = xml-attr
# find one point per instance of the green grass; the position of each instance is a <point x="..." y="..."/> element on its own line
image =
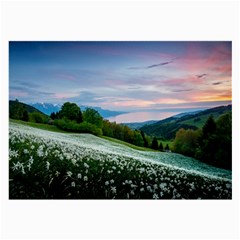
<point x="42" y="126"/>
<point x="53" y="128"/>
<point x="202" y="120"/>
<point x="165" y="142"/>
<point x="128" y="144"/>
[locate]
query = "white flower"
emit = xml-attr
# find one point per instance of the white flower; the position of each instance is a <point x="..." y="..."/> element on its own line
<point x="79" y="175"/>
<point x="114" y="190"/>
<point x="69" y="173"/>
<point x="142" y="189"/>
<point x="85" y="178"/>
<point x="155" y="196"/>
<point x="228" y="185"/>
<point x="57" y="173"/>
<point x="47" y="165"/>
<point x="86" y="165"/>
<point x="111" y="181"/>
<point x="25" y="151"/>
<point x="107" y="183"/>
<point x="132" y="192"/>
<point x="73" y="184"/>
<point x="31" y="160"/>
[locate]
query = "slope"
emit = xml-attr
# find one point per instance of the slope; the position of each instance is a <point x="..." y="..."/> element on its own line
<point x="168" y="127"/>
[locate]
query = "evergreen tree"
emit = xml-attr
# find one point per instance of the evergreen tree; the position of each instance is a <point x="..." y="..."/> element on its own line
<point x="209" y="127"/>
<point x="25" y="116"/>
<point x="167" y="148"/>
<point x="161" y="147"/>
<point x="155" y="143"/>
<point x="53" y="115"/>
<point x="144" y="139"/>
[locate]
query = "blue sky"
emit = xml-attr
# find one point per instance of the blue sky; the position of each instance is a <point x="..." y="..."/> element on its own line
<point x="125" y="76"/>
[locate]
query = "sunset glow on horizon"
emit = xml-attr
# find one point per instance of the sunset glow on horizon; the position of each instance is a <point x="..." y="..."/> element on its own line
<point x="123" y="76"/>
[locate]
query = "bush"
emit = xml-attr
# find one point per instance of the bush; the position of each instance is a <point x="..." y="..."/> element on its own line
<point x="36" y="117"/>
<point x="73" y="126"/>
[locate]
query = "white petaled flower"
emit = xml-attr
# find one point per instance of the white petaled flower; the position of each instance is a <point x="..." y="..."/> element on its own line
<point x="13" y="153"/>
<point x="86" y="165"/>
<point x="25" y="151"/>
<point x="228" y="185"/>
<point x="132" y="192"/>
<point x="107" y="183"/>
<point x="57" y="173"/>
<point x="113" y="167"/>
<point x="111" y="181"/>
<point x="79" y="175"/>
<point x="114" y="190"/>
<point x="31" y="160"/>
<point x="69" y="173"/>
<point x="85" y="178"/>
<point x="47" y="165"/>
<point x="155" y="196"/>
<point x="142" y="189"/>
<point x="73" y="184"/>
<point x="32" y="147"/>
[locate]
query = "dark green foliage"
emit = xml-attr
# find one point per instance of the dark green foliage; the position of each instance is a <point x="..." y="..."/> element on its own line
<point x="25" y="116"/>
<point x="138" y="139"/>
<point x="22" y="111"/>
<point x="186" y="142"/>
<point x="73" y="126"/>
<point x="92" y="116"/>
<point x="161" y="147"/>
<point x="155" y="143"/>
<point x="168" y="127"/>
<point x="144" y="139"/>
<point x="53" y="116"/>
<point x="36" y="117"/>
<point x="209" y="127"/>
<point x="167" y="148"/>
<point x="216" y="142"/>
<point x="212" y="144"/>
<point x="71" y="111"/>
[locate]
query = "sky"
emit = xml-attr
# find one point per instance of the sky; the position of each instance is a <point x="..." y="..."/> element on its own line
<point x="123" y="76"/>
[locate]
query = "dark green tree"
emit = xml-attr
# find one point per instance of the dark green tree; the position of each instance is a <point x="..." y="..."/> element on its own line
<point x="92" y="116"/>
<point x="144" y="139"/>
<point x="25" y="116"/>
<point x="53" y="116"/>
<point x="155" y="143"/>
<point x="160" y="147"/>
<point x="209" y="127"/>
<point x="138" y="140"/>
<point x="167" y="148"/>
<point x="71" y="111"/>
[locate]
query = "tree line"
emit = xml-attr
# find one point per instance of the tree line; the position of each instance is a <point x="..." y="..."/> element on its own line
<point x="211" y="144"/>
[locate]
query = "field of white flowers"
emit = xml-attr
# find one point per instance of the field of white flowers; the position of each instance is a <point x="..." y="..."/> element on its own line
<point x="50" y="165"/>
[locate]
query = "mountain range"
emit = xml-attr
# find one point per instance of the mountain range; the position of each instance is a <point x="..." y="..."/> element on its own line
<point x="48" y="108"/>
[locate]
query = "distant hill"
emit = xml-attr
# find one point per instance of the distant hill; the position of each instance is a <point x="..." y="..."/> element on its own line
<point x="48" y="108"/>
<point x="168" y="127"/>
<point x="138" y="125"/>
<point x="13" y="105"/>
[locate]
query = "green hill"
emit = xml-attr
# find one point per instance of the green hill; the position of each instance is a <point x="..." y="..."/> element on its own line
<point x="167" y="128"/>
<point x="22" y="111"/>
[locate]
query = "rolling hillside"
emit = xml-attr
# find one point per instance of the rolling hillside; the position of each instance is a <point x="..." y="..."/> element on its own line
<point x="53" y="165"/>
<point x="29" y="108"/>
<point x="168" y="127"/>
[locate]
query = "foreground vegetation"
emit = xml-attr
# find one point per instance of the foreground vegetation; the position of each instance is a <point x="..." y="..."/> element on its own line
<point x="211" y="144"/>
<point x="50" y="165"/>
